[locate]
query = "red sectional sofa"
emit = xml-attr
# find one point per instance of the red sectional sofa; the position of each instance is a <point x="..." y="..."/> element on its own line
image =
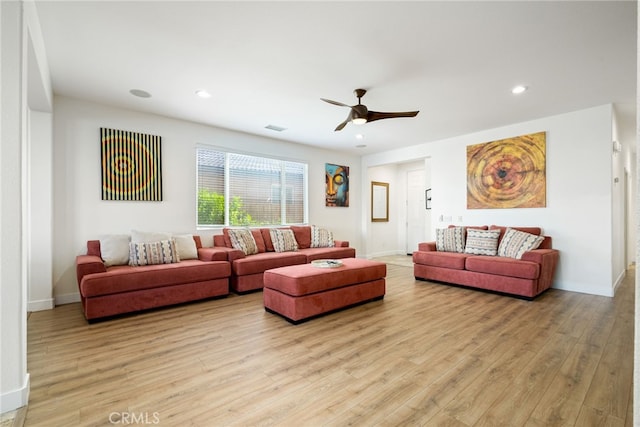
<point x="526" y="277"/>
<point x="247" y="270"/>
<point x="111" y="290"/>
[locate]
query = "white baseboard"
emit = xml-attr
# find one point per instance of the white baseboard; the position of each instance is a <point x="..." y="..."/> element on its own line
<point x="619" y="281"/>
<point x="15" y="399"/>
<point x="385" y="253"/>
<point x="43" y="304"/>
<point x="67" y="298"/>
<point x="582" y="289"/>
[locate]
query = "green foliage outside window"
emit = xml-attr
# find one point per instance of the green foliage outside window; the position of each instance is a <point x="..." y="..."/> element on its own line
<point x="211" y="210"/>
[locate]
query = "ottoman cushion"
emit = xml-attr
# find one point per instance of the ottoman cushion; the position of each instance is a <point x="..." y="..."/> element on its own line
<point x="305" y="279"/>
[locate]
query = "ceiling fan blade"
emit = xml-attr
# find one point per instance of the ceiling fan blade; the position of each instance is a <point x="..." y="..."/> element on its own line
<point x="376" y="115"/>
<point x="335" y="103"/>
<point x="343" y="124"/>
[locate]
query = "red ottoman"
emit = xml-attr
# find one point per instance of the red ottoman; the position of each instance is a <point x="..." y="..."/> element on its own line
<point x="300" y="292"/>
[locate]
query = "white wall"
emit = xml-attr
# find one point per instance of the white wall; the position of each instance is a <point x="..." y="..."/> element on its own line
<point x="578" y="215"/>
<point x="382" y="237"/>
<point x="24" y="86"/>
<point x="389" y="238"/>
<point x="39" y="211"/>
<point x="80" y="214"/>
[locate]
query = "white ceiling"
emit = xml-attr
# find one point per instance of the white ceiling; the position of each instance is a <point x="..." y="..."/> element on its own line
<point x="270" y="62"/>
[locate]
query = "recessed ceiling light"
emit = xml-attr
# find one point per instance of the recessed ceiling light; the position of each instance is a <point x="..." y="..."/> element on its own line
<point x="519" y="89"/>
<point x="140" y="93"/>
<point x="361" y="146"/>
<point x="203" y="93"/>
<point x="359" y="136"/>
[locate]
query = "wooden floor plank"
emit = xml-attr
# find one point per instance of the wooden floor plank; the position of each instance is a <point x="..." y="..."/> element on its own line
<point x="427" y="354"/>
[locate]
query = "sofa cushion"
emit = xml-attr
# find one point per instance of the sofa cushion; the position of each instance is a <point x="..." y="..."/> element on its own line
<point x="515" y="243"/>
<point x="450" y="239"/>
<point x="283" y="240"/>
<point x="321" y="238"/>
<point x="482" y="242"/>
<point x="313" y="254"/>
<point x="186" y="246"/>
<point x="124" y="278"/>
<point x="451" y="260"/>
<point x="242" y="239"/>
<point x="302" y="234"/>
<point x="258" y="263"/>
<point x="114" y="249"/>
<point x="502" y="266"/>
<point x="151" y="253"/>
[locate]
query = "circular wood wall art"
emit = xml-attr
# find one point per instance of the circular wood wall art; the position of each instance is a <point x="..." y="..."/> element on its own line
<point x="508" y="173"/>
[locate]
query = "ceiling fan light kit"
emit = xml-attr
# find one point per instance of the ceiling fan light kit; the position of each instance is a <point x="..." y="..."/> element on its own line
<point x="360" y="114"/>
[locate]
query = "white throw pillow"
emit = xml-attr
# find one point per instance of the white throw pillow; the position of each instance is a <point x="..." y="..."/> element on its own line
<point x="148" y="236"/>
<point x="186" y="246"/>
<point x="114" y="249"/>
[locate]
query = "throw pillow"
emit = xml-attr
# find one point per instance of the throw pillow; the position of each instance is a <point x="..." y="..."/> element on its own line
<point x="450" y="239"/>
<point x="114" y="249"/>
<point x="186" y="246"/>
<point x="150" y="253"/>
<point x="242" y="238"/>
<point x="148" y="236"/>
<point x="303" y="235"/>
<point x="257" y="236"/>
<point x="515" y="243"/>
<point x="283" y="240"/>
<point x="321" y="238"/>
<point x="482" y="242"/>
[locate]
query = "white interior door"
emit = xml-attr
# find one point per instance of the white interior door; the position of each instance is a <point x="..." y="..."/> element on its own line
<point x="416" y="212"/>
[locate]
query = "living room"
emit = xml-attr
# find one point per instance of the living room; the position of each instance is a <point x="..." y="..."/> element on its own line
<point x="587" y="188"/>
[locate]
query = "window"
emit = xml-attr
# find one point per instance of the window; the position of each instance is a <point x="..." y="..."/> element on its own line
<point x="238" y="189"/>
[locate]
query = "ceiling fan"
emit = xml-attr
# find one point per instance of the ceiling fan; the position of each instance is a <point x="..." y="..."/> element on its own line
<point x="359" y="114"/>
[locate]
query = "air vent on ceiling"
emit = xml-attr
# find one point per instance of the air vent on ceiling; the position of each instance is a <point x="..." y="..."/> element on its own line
<point x="274" y="127"/>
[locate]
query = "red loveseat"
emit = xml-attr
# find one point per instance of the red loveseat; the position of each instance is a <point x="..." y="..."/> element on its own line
<point x="526" y="277"/>
<point x="111" y="290"/>
<point x="247" y="270"/>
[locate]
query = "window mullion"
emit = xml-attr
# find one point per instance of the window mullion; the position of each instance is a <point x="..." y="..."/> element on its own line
<point x="227" y="192"/>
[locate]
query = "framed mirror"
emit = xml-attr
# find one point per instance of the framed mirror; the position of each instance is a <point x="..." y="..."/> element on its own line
<point x="379" y="201"/>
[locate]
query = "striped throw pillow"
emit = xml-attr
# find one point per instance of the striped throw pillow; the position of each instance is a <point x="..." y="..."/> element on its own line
<point x="450" y="239"/>
<point x="515" y="243"/>
<point x="242" y="238"/>
<point x="151" y="253"/>
<point x="482" y="242"/>
<point x="321" y="238"/>
<point x="283" y="240"/>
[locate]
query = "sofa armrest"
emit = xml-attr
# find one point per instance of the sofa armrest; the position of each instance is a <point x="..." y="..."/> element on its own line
<point x="212" y="254"/>
<point x="341" y="243"/>
<point x="230" y="254"/>
<point x="88" y="264"/>
<point x="427" y="246"/>
<point x="548" y="260"/>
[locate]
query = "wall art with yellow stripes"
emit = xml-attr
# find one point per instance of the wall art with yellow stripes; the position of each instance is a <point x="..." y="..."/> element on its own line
<point x="509" y="173"/>
<point x="131" y="165"/>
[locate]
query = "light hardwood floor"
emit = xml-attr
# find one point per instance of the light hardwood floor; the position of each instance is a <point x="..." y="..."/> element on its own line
<point x="427" y="354"/>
